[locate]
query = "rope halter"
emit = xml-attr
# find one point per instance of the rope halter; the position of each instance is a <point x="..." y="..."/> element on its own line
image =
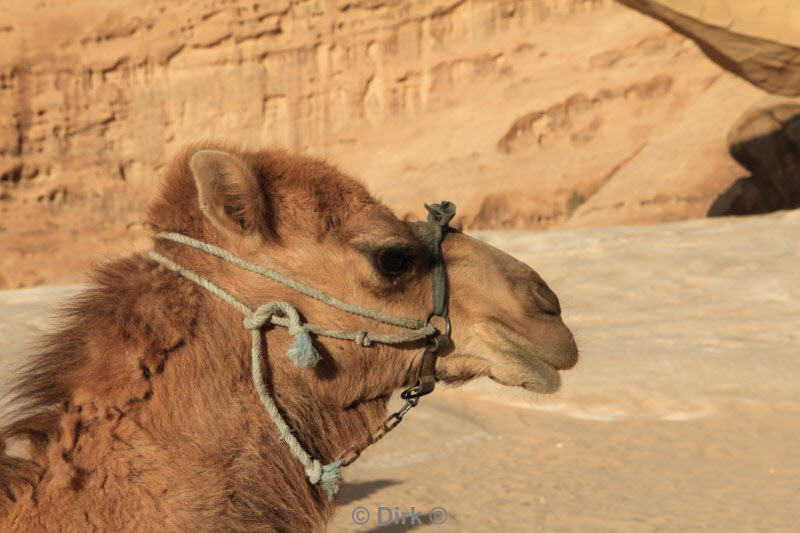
<point x="302" y="351"/>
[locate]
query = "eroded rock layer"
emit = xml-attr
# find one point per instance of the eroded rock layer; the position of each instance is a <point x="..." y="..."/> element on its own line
<point x="526" y="113"/>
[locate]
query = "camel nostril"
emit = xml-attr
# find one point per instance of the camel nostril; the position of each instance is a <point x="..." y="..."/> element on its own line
<point x="546" y="300"/>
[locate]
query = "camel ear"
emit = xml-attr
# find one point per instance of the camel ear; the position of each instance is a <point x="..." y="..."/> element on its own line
<point x="228" y="191"/>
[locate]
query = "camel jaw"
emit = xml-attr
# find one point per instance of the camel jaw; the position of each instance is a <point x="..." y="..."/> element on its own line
<point x="518" y="361"/>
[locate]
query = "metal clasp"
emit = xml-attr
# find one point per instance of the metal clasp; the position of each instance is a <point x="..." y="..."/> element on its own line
<point x="416" y="391"/>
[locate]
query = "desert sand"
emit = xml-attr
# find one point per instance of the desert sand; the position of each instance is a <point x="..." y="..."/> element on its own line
<point x="681" y="415"/>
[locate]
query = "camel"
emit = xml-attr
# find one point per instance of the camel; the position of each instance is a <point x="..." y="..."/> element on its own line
<point x="141" y="414"/>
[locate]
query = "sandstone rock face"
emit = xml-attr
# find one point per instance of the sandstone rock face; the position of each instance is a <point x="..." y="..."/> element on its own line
<point x="766" y="141"/>
<point x="526" y="113"/>
<point x="758" y="40"/>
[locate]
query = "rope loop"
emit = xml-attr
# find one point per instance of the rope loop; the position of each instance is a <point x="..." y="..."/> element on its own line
<point x="441" y="214"/>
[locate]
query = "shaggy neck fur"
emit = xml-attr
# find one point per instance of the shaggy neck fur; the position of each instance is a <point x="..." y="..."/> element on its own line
<point x="157" y="419"/>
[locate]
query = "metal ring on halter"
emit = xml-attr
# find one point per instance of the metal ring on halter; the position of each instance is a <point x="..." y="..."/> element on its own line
<point x="447" y="325"/>
<point x="412" y="394"/>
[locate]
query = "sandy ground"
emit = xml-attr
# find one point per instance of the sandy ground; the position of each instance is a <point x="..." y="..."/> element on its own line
<point x="682" y="413"/>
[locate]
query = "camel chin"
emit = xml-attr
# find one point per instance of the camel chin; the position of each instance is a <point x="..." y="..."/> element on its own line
<point x="515" y="360"/>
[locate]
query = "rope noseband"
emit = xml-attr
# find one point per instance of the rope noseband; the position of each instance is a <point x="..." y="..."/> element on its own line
<point x="302" y="351"/>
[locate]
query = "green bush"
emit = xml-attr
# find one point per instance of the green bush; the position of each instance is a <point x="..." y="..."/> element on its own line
<point x="575" y="199"/>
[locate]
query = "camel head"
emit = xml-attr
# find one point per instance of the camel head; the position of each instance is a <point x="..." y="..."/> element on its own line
<point x="310" y="222"/>
<point x="148" y="391"/>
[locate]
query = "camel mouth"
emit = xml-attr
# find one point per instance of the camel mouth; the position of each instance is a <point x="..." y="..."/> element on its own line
<point x="560" y="354"/>
<point x="530" y="363"/>
<point x="543" y="379"/>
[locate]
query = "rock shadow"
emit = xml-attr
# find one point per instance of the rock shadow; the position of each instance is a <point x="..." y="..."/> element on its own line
<point x="766" y="141"/>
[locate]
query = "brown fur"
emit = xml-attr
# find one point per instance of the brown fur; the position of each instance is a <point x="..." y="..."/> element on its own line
<point x="140" y="412"/>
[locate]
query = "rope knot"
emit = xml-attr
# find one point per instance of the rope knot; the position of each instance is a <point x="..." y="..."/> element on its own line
<point x="314" y="471"/>
<point x="362" y="338"/>
<point x="295" y="330"/>
<point x="331" y="473"/>
<point x="327" y="476"/>
<point x="259" y="317"/>
<point x="302" y="350"/>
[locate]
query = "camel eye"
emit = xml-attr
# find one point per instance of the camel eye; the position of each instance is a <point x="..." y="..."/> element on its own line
<point x="393" y="261"/>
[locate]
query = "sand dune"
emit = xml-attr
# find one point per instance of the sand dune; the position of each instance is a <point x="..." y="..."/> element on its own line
<point x="682" y="414"/>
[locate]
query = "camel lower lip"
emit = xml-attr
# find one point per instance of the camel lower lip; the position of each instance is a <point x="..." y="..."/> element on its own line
<point x="555" y="377"/>
<point x="533" y="374"/>
<point x="530" y="364"/>
<point x="548" y="383"/>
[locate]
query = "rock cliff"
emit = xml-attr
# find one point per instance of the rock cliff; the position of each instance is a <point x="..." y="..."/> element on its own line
<point x="766" y="141"/>
<point x="526" y="113"/>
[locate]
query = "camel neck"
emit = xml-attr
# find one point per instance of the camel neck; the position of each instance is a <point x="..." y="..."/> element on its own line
<point x="232" y="418"/>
